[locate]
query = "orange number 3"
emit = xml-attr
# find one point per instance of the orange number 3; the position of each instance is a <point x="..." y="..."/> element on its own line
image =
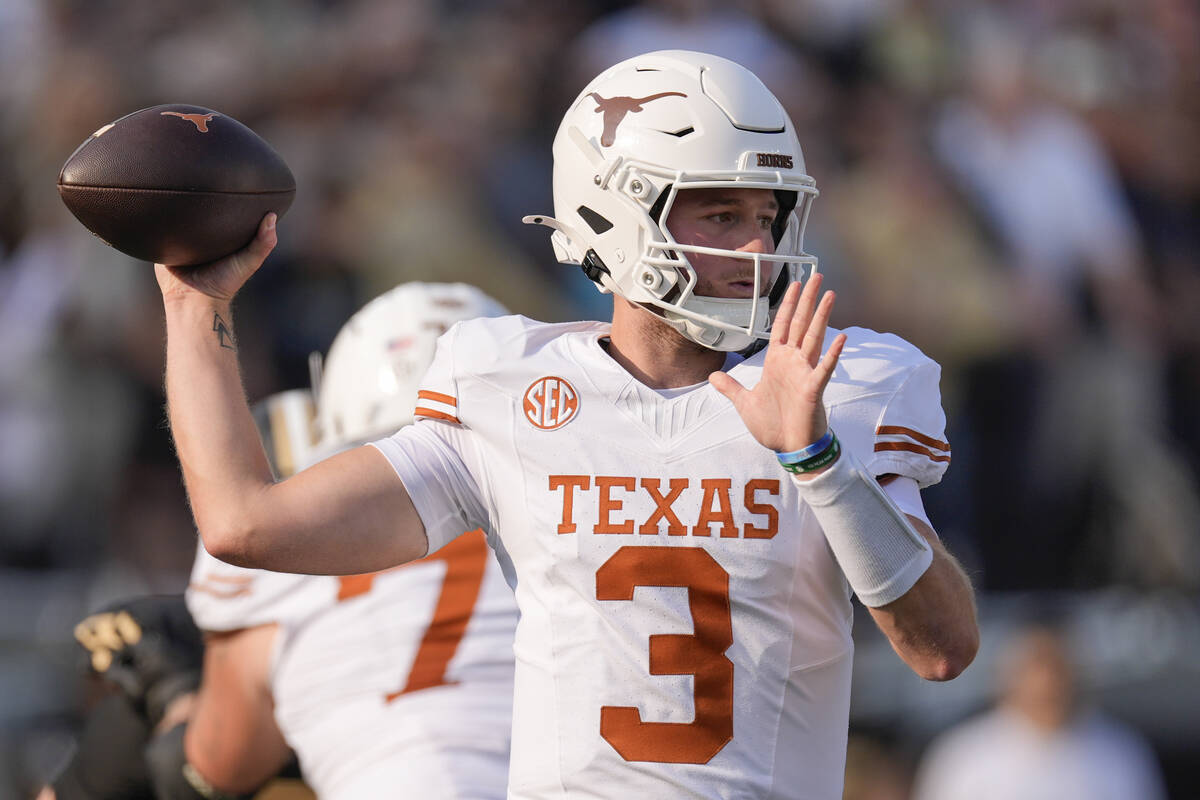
<point x="701" y="655"/>
<point x="466" y="562"/>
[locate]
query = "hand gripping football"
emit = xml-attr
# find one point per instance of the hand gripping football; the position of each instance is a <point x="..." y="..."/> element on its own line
<point x="175" y="184"/>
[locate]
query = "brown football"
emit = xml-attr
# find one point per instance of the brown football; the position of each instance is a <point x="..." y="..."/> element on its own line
<point x="175" y="184"/>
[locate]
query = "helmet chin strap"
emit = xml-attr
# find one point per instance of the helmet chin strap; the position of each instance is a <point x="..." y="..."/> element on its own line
<point x="708" y="337"/>
<point x="729" y="310"/>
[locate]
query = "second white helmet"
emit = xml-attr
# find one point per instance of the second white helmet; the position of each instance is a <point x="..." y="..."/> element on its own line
<point x="369" y="382"/>
<point x="646" y="129"/>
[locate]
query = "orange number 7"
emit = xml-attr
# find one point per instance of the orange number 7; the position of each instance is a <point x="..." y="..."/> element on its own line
<point x="701" y="655"/>
<point x="466" y="561"/>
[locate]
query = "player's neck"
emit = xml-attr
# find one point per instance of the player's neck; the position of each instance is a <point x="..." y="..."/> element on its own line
<point x="656" y="354"/>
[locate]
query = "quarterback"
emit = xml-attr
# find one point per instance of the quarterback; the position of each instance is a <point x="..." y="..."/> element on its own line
<point x="684" y="500"/>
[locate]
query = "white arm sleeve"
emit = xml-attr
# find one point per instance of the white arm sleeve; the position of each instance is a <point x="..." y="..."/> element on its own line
<point x="906" y="494"/>
<point x="876" y="546"/>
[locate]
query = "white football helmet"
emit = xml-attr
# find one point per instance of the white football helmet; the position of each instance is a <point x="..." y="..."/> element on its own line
<point x="638" y="134"/>
<point x="369" y="384"/>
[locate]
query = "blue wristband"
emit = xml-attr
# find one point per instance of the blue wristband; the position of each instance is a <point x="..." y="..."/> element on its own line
<point x="815" y="462"/>
<point x="805" y="453"/>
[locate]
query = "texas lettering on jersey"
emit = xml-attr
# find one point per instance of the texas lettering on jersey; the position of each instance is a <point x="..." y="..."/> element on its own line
<point x="681" y="506"/>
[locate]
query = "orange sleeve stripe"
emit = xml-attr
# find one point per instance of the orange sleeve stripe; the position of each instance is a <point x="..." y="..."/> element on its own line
<point x="429" y="412"/>
<point x="881" y="447"/>
<point x="898" y="430"/>
<point x="220" y="592"/>
<point x="425" y="394"/>
<point x="235" y="579"/>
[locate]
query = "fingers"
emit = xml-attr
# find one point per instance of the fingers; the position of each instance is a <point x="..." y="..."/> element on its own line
<point x="221" y="279"/>
<point x="262" y="244"/>
<point x="266" y="229"/>
<point x="783" y="315"/>
<point x="814" y="336"/>
<point x="803" y="318"/>
<point x="824" y="370"/>
<point x="804" y="311"/>
<point x="728" y="386"/>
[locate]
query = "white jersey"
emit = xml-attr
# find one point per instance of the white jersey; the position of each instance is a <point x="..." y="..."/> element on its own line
<point x="397" y="682"/>
<point x="685" y="630"/>
<point x="222" y="597"/>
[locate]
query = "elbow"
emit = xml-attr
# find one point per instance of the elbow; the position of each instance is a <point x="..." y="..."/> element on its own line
<point x="235" y="529"/>
<point x="228" y="542"/>
<point x="951" y="658"/>
<point x="943" y="669"/>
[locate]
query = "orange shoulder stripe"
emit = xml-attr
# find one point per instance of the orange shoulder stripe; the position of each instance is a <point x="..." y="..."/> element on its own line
<point x="425" y="394"/>
<point x="911" y="448"/>
<point x="899" y="430"/>
<point x="432" y="414"/>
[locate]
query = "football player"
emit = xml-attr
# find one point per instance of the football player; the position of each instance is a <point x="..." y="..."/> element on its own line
<point x="684" y="513"/>
<point x="374" y="701"/>
<point x="387" y="683"/>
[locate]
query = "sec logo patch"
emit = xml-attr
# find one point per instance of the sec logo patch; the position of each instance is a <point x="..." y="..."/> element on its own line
<point x="550" y="403"/>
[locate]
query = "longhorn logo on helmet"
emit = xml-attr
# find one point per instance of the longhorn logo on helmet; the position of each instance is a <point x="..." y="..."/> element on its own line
<point x="615" y="109"/>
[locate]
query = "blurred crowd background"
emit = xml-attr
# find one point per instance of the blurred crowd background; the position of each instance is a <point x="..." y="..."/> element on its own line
<point x="1012" y="185"/>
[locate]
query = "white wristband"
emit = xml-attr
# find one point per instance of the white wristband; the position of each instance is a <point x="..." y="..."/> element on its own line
<point x="879" y="551"/>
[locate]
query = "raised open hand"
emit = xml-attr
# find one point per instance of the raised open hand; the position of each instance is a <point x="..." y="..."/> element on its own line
<point x="221" y="279"/>
<point x="785" y="411"/>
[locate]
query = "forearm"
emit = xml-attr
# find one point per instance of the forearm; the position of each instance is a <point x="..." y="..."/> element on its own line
<point x="224" y="466"/>
<point x="933" y="626"/>
<point x="896" y="565"/>
<point x="245" y="517"/>
<point x="233" y="741"/>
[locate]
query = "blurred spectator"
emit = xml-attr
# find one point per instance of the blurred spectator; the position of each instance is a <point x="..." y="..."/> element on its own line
<point x="830" y="24"/>
<point x="904" y="238"/>
<point x="1043" y="182"/>
<point x="1090" y="390"/>
<point x="23" y="54"/>
<point x="709" y="26"/>
<point x="874" y="771"/>
<point x="64" y="327"/>
<point x="1135" y="77"/>
<point x="1041" y="741"/>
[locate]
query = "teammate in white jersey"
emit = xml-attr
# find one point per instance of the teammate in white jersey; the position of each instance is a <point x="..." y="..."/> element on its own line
<point x="384" y="684"/>
<point x="683" y="518"/>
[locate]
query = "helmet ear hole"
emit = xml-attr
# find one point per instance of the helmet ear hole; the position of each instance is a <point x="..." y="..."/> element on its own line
<point x="598" y="223"/>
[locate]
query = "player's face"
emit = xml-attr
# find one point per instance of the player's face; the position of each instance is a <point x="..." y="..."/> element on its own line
<point x="730" y="219"/>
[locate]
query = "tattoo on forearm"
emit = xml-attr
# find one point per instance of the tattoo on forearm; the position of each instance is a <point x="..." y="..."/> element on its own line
<point x="223" y="333"/>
